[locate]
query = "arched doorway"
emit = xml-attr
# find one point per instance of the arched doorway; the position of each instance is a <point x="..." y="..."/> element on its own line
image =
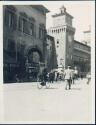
<point x="34" y="56"/>
<point x="33" y="59"/>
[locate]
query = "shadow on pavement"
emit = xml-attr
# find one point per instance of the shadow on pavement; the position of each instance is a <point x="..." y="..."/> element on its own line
<point x="51" y="88"/>
<point x="75" y="88"/>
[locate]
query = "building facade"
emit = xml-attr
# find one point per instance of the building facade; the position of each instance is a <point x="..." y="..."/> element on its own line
<point x="69" y="51"/>
<point x="87" y="37"/>
<point x="24" y="40"/>
<point x="51" y="53"/>
<point x="82" y="56"/>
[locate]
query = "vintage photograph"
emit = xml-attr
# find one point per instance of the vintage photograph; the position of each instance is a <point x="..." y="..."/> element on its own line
<point x="47" y="62"/>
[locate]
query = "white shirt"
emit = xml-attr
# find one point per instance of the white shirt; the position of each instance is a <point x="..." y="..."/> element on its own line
<point x="68" y="73"/>
<point x="75" y="71"/>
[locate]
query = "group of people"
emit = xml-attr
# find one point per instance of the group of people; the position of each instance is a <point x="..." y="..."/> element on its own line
<point x="69" y="75"/>
<point x="46" y="76"/>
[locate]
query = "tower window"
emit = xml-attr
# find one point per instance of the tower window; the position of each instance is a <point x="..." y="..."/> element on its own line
<point x="57" y="41"/>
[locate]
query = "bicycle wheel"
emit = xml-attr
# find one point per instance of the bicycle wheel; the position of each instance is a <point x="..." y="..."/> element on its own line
<point x="47" y="85"/>
<point x="39" y="86"/>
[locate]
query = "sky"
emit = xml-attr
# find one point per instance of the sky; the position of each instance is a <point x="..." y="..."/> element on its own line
<point x="81" y="11"/>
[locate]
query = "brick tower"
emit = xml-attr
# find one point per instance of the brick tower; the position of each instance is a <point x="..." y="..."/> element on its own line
<point x="63" y="32"/>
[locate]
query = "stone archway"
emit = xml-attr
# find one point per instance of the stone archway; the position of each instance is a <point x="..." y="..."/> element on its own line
<point x="33" y="58"/>
<point x="34" y="53"/>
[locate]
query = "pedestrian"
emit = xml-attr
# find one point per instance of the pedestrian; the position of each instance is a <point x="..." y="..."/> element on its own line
<point x="75" y="73"/>
<point x="44" y="75"/>
<point x="57" y="76"/>
<point x="51" y="77"/>
<point x="88" y="78"/>
<point x="64" y="74"/>
<point x="68" y="77"/>
<point x="17" y="78"/>
<point x="73" y="76"/>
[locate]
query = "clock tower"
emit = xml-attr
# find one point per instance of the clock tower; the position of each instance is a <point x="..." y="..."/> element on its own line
<point x="63" y="32"/>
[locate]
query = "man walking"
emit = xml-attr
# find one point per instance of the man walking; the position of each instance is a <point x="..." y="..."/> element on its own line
<point x="75" y="73"/>
<point x="72" y="76"/>
<point x="68" y="75"/>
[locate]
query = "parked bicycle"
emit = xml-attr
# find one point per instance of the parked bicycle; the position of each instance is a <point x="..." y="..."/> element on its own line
<point x="42" y="84"/>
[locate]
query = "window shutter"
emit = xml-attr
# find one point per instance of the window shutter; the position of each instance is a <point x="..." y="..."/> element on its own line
<point x="20" y="24"/>
<point x="35" y="31"/>
<point x="15" y="21"/>
<point x="27" y="28"/>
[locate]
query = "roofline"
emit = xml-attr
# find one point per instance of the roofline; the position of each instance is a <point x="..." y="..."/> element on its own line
<point x="81" y="43"/>
<point x="50" y="36"/>
<point x="61" y="14"/>
<point x="88" y="31"/>
<point x="40" y="7"/>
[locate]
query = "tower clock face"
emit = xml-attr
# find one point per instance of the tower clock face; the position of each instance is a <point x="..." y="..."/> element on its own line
<point x="70" y="38"/>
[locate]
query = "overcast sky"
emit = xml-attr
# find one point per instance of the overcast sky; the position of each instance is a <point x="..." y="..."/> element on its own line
<point x="81" y="11"/>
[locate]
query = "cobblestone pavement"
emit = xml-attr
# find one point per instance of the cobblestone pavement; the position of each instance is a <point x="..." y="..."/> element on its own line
<point x="25" y="102"/>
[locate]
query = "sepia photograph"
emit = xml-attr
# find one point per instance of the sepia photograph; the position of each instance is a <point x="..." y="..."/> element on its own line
<point x="47" y="60"/>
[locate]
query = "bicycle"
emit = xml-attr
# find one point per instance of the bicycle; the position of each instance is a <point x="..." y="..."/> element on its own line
<point x="41" y="84"/>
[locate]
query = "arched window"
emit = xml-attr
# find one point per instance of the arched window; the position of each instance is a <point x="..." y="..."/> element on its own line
<point x="57" y="41"/>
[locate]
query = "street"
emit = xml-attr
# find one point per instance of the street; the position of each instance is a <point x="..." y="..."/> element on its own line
<point x="24" y="102"/>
